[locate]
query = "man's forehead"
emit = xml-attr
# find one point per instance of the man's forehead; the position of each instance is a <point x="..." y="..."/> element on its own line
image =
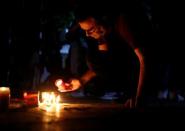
<point x="88" y="23"/>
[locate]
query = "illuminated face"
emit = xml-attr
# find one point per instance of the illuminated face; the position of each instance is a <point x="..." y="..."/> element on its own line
<point x="92" y="29"/>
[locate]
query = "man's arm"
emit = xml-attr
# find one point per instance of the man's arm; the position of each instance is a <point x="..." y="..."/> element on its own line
<point x="125" y="33"/>
<point x="87" y="76"/>
<point x="142" y="62"/>
<point x="75" y="84"/>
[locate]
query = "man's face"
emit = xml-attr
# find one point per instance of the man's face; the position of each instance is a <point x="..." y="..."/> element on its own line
<point x="92" y="29"/>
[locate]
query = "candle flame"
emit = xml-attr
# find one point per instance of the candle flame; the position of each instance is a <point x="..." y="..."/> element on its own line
<point x="58" y="82"/>
<point x="25" y="94"/>
<point x="4" y="89"/>
<point x="49" y="101"/>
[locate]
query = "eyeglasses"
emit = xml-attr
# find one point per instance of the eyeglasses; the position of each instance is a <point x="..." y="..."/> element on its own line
<point x="91" y="30"/>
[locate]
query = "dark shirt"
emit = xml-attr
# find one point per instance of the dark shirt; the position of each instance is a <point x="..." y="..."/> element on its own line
<point x="118" y="66"/>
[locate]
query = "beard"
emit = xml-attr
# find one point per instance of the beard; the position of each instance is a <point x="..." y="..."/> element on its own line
<point x="100" y="33"/>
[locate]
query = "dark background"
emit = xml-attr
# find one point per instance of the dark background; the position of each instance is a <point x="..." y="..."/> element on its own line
<point x="32" y="34"/>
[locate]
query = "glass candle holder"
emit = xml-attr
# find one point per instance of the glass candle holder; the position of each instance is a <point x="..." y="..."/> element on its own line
<point x="4" y="98"/>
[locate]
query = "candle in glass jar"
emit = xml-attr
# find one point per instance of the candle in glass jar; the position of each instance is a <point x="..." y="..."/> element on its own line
<point x="4" y="98"/>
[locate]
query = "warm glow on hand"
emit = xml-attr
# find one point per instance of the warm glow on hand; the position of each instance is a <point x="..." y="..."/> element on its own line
<point x="58" y="82"/>
<point x="66" y="87"/>
<point x="75" y="84"/>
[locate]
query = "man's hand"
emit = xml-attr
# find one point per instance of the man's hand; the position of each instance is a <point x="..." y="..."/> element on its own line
<point x="129" y="104"/>
<point x="75" y="83"/>
<point x="67" y="87"/>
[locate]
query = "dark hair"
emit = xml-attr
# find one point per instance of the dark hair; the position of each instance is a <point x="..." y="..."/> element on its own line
<point x="74" y="33"/>
<point x="101" y="13"/>
<point x="103" y="18"/>
<point x="82" y="13"/>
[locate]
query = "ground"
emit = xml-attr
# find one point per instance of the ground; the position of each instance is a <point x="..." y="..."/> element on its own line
<point x="80" y="113"/>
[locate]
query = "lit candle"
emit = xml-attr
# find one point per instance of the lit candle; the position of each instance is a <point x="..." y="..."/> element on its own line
<point x="31" y="98"/>
<point x="49" y="101"/>
<point x="4" y="98"/>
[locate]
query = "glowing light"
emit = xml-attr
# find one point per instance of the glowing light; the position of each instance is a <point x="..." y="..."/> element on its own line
<point x="4" y="89"/>
<point x="49" y="101"/>
<point x="4" y="98"/>
<point x="66" y="30"/>
<point x="25" y="94"/>
<point x="58" y="82"/>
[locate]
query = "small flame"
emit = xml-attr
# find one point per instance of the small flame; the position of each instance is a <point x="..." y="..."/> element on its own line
<point x="25" y="94"/>
<point x="49" y="101"/>
<point x="58" y="82"/>
<point x="63" y="86"/>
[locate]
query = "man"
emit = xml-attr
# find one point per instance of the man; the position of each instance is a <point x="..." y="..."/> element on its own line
<point x="111" y="46"/>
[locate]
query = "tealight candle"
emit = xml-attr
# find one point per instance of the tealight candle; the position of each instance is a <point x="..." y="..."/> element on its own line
<point x="4" y="98"/>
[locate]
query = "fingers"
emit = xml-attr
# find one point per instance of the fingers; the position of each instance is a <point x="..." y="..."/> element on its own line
<point x="130" y="104"/>
<point x="62" y="86"/>
<point x="67" y="87"/>
<point x="75" y="84"/>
